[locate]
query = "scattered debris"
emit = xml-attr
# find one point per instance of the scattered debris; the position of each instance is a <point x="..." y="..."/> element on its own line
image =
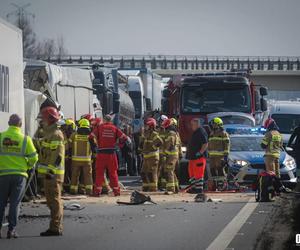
<point x="73" y="207"/>
<point x="137" y="198"/>
<point x="214" y="200"/>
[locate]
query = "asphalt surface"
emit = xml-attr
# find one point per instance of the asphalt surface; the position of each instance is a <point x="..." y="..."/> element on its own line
<point x="168" y="225"/>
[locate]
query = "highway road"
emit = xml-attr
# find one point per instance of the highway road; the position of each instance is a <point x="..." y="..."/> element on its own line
<point x="175" y="223"/>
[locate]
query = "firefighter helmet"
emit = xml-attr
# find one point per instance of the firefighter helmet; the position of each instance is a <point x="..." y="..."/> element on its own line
<point x="50" y="115"/>
<point x="70" y="122"/>
<point x="84" y="123"/>
<point x="268" y="122"/>
<point x="151" y="122"/>
<point x="167" y="123"/>
<point x="174" y="122"/>
<point x="217" y="122"/>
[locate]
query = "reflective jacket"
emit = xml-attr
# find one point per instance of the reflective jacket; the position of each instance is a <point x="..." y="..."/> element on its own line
<point x="107" y="135"/>
<point x="179" y="145"/>
<point x="162" y="134"/>
<point x="272" y="143"/>
<point x="218" y="144"/>
<point x="52" y="152"/>
<point x="151" y="144"/>
<point x="170" y="147"/>
<point x="80" y="146"/>
<point x="17" y="152"/>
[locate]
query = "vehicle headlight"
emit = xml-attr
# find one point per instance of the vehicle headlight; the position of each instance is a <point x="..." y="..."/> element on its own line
<point x="289" y="163"/>
<point x="241" y="163"/>
<point x="183" y="149"/>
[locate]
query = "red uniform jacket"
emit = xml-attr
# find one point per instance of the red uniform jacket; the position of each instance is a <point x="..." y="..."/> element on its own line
<point x="107" y="135"/>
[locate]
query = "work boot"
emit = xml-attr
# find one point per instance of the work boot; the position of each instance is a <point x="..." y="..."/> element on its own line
<point x="12" y="234"/>
<point x="200" y="197"/>
<point x="50" y="233"/>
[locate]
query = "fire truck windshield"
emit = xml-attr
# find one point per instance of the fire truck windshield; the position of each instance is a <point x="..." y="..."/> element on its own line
<point x="210" y="100"/>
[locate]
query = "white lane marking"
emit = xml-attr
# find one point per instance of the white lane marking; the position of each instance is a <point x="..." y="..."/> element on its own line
<point x="233" y="227"/>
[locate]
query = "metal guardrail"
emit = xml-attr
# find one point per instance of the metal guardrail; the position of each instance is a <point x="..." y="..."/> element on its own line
<point x="169" y="62"/>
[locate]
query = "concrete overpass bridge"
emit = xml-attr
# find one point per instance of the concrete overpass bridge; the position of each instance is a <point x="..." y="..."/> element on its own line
<point x="277" y="73"/>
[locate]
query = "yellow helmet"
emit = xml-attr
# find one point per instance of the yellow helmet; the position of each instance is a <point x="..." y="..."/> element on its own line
<point x="174" y="122"/>
<point x="218" y="122"/>
<point x="70" y="122"/>
<point x="84" y="123"/>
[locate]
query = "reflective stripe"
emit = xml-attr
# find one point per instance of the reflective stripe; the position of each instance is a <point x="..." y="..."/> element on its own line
<point x="171" y="152"/>
<point x="43" y="169"/>
<point x="23" y="150"/>
<point x="218" y="139"/>
<point x="89" y="187"/>
<point x="151" y="154"/>
<point x="52" y="144"/>
<point x="277" y="155"/>
<point x="81" y="158"/>
<point x="81" y="137"/>
<point x="152" y="184"/>
<point x="2" y="171"/>
<point x="170" y="184"/>
<point x="216" y="153"/>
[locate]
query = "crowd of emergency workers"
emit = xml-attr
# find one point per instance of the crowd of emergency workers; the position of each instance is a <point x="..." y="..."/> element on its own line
<point x="80" y="157"/>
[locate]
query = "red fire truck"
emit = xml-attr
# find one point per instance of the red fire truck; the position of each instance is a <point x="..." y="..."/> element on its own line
<point x="196" y="95"/>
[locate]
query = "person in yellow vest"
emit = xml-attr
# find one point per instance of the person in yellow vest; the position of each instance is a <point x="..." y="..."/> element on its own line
<point x="150" y="151"/>
<point x="17" y="157"/>
<point x="51" y="166"/>
<point x="272" y="143"/>
<point x="81" y="148"/>
<point x="218" y="148"/>
<point x="170" y="150"/>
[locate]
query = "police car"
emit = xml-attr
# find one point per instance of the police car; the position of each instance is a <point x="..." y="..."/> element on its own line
<point x="246" y="158"/>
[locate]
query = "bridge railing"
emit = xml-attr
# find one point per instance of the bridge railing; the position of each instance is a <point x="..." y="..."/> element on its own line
<point x="168" y="62"/>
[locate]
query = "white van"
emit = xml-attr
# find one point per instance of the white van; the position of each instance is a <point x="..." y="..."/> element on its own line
<point x="287" y="116"/>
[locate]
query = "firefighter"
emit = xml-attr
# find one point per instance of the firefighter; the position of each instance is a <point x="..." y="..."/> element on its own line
<point x="179" y="150"/>
<point x="81" y="148"/>
<point x="218" y="149"/>
<point x="162" y="134"/>
<point x="51" y="166"/>
<point x="171" y="155"/>
<point x="196" y="154"/>
<point x="107" y="135"/>
<point x="150" y="151"/>
<point x="68" y="129"/>
<point x="17" y="158"/>
<point x="272" y="143"/>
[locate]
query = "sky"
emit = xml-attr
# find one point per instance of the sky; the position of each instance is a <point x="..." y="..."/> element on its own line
<point x="168" y="27"/>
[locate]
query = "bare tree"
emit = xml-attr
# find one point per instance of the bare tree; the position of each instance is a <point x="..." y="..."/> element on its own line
<point x="22" y="22"/>
<point x="61" y="49"/>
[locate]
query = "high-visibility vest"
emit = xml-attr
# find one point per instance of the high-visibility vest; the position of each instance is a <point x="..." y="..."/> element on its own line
<point x="17" y="152"/>
<point x="273" y="142"/>
<point x="81" y="149"/>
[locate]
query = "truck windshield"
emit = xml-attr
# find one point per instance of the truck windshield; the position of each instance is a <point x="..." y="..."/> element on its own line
<point x="200" y="100"/>
<point x="286" y="122"/>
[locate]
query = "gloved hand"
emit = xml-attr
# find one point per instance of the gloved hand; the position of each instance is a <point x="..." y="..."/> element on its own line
<point x="50" y="175"/>
<point x="128" y="141"/>
<point x="198" y="155"/>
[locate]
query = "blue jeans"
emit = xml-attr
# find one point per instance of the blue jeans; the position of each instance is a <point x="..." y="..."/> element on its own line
<point x="11" y="188"/>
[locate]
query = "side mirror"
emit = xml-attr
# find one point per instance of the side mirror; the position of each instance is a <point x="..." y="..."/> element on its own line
<point x="263" y="91"/>
<point x="263" y="104"/>
<point x="166" y="93"/>
<point x="148" y="104"/>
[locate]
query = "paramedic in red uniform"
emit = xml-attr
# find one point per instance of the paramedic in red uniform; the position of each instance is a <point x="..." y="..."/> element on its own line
<point x="107" y="136"/>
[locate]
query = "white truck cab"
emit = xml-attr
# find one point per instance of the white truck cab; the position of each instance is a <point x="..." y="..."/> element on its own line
<point x="287" y="116"/>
